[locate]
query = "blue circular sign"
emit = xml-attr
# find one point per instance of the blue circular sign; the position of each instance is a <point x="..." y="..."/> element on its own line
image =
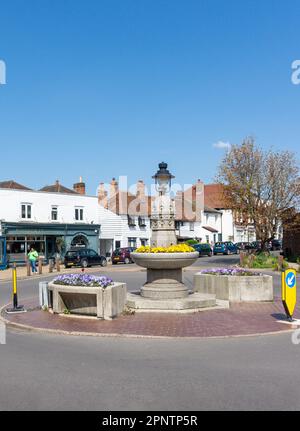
<point x="290" y="279"/>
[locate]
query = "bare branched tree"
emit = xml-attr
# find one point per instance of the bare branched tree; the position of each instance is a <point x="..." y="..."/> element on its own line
<point x="260" y="187"/>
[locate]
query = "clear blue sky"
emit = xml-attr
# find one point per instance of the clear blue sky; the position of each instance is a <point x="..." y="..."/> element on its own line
<point x="111" y="87"/>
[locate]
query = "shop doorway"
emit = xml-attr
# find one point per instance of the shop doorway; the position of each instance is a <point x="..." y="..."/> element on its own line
<point x="79" y="241"/>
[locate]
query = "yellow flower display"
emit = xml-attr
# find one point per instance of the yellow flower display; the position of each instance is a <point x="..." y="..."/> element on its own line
<point x="180" y="248"/>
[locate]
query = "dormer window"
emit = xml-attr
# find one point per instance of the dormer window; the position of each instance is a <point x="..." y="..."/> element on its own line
<point x="142" y="222"/>
<point x="131" y="221"/>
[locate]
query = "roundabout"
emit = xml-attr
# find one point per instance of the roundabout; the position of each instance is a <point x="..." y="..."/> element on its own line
<point x="242" y="319"/>
<point x="134" y="359"/>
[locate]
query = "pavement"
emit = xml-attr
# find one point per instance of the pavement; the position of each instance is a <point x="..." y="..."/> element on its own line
<point x="57" y="372"/>
<point x="6" y="275"/>
<point x="240" y="319"/>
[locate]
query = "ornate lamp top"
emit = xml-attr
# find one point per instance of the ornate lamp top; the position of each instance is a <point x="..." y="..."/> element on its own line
<point x="163" y="172"/>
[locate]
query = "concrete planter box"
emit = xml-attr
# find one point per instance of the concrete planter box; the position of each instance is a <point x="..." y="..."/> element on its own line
<point x="235" y="288"/>
<point x="293" y="265"/>
<point x="105" y="303"/>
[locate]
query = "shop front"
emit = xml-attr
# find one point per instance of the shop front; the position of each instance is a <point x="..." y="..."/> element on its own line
<point x="47" y="239"/>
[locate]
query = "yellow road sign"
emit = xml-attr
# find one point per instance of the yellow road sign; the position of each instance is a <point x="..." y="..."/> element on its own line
<point x="289" y="291"/>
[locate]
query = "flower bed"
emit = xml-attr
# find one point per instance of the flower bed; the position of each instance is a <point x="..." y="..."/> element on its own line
<point x="263" y="260"/>
<point x="83" y="280"/>
<point x="85" y="294"/>
<point x="180" y="248"/>
<point x="234" y="284"/>
<point x="240" y="272"/>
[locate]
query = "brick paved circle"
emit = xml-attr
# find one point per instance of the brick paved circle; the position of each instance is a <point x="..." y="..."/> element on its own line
<point x="240" y="319"/>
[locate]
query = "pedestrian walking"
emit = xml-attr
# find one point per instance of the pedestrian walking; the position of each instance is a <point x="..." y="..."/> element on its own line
<point x="33" y="256"/>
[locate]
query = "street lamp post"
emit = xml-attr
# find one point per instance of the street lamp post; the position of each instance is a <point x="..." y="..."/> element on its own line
<point x="163" y="214"/>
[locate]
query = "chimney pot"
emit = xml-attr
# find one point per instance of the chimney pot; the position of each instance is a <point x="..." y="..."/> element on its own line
<point x="140" y="188"/>
<point x="79" y="187"/>
<point x="102" y="195"/>
<point x="113" y="187"/>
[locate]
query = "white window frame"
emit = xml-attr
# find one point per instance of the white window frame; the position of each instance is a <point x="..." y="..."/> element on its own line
<point x="132" y="240"/>
<point x="80" y="213"/>
<point x="54" y="207"/>
<point x="26" y="205"/>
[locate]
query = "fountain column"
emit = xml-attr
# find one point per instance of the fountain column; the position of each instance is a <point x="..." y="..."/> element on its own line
<point x="164" y="288"/>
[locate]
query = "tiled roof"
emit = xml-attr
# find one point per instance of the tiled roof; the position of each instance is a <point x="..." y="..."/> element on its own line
<point x="126" y="203"/>
<point x="58" y="188"/>
<point x="210" y="229"/>
<point x="13" y="185"/>
<point x="123" y="203"/>
<point x="185" y="202"/>
<point x="214" y="195"/>
<point x="211" y="210"/>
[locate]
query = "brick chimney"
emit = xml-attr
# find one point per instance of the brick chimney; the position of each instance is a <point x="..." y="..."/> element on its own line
<point x="179" y="204"/>
<point x="79" y="187"/>
<point x="140" y="189"/>
<point x="199" y="200"/>
<point x="114" y="188"/>
<point x="102" y="195"/>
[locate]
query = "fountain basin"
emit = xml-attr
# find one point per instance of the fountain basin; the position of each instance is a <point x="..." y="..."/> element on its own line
<point x="164" y="274"/>
<point x="164" y="260"/>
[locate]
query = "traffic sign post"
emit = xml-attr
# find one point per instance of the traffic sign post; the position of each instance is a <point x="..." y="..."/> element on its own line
<point x="289" y="292"/>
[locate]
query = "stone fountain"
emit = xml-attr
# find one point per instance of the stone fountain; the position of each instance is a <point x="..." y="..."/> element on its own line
<point x="164" y="289"/>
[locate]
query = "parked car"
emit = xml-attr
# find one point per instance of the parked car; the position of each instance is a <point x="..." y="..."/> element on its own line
<point x="204" y="249"/>
<point x="276" y="245"/>
<point x="256" y="245"/>
<point x="244" y="246"/>
<point x="226" y="247"/>
<point x="122" y="255"/>
<point x="83" y="257"/>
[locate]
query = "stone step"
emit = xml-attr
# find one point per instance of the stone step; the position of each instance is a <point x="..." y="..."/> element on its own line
<point x="194" y="301"/>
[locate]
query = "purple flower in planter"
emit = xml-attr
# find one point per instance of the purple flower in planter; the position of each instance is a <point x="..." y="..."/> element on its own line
<point x="83" y="280"/>
<point x="230" y="271"/>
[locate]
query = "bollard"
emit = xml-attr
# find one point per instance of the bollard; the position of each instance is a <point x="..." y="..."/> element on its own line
<point x="43" y="294"/>
<point x="16" y="308"/>
<point x="50" y="265"/>
<point x="280" y="263"/>
<point x="28" y="267"/>
<point x="242" y="257"/>
<point x="57" y="264"/>
<point x="40" y="265"/>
